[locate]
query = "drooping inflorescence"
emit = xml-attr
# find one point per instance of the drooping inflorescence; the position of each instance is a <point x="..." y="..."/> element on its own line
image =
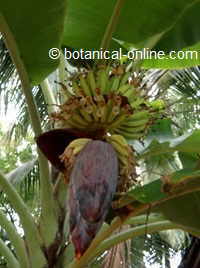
<point x="106" y="106"/>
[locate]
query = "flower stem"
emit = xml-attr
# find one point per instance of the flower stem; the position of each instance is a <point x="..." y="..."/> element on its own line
<point x="15" y="239"/>
<point x="133" y="232"/>
<point x="48" y="96"/>
<point x="7" y="253"/>
<point x="105" y="43"/>
<point x="33" y="238"/>
<point x="47" y="202"/>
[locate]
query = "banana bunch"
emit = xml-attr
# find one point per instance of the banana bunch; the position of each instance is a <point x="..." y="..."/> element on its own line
<point x="126" y="159"/>
<point x="135" y="126"/>
<point x="107" y="98"/>
<point x="70" y="153"/>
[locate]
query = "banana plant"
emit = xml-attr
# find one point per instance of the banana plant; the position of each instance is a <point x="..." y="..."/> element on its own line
<point x="106" y="108"/>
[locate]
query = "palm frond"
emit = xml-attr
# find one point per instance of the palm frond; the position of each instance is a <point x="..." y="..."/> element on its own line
<point x="7" y="68"/>
<point x="26" y="181"/>
<point x="8" y="76"/>
<point x="186" y="81"/>
<point x="12" y="100"/>
<point x="22" y="127"/>
<point x="185" y="92"/>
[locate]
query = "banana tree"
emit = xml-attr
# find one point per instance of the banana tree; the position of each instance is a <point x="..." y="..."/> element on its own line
<point x="107" y="122"/>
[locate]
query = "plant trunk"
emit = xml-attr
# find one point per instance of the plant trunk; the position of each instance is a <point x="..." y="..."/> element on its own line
<point x="191" y="257"/>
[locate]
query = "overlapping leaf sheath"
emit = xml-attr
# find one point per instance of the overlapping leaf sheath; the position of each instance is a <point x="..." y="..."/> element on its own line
<point x="93" y="183"/>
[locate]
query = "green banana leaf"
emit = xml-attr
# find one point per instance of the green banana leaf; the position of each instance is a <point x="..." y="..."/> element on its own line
<point x="37" y="26"/>
<point x="86" y="22"/>
<point x="176" y="195"/>
<point x="189" y="143"/>
<point x="178" y="204"/>
<point x="170" y="25"/>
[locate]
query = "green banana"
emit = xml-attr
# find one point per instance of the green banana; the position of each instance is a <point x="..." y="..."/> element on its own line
<point x="102" y="80"/>
<point x="92" y="82"/>
<point x="125" y="78"/>
<point x="87" y="117"/>
<point x="140" y="115"/>
<point x="129" y="136"/>
<point x="84" y="86"/>
<point x="117" y="121"/>
<point x="115" y="84"/>
<point x="123" y="89"/>
<point x="132" y="129"/>
<point x="113" y="114"/>
<point x="77" y="90"/>
<point x="135" y="123"/>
